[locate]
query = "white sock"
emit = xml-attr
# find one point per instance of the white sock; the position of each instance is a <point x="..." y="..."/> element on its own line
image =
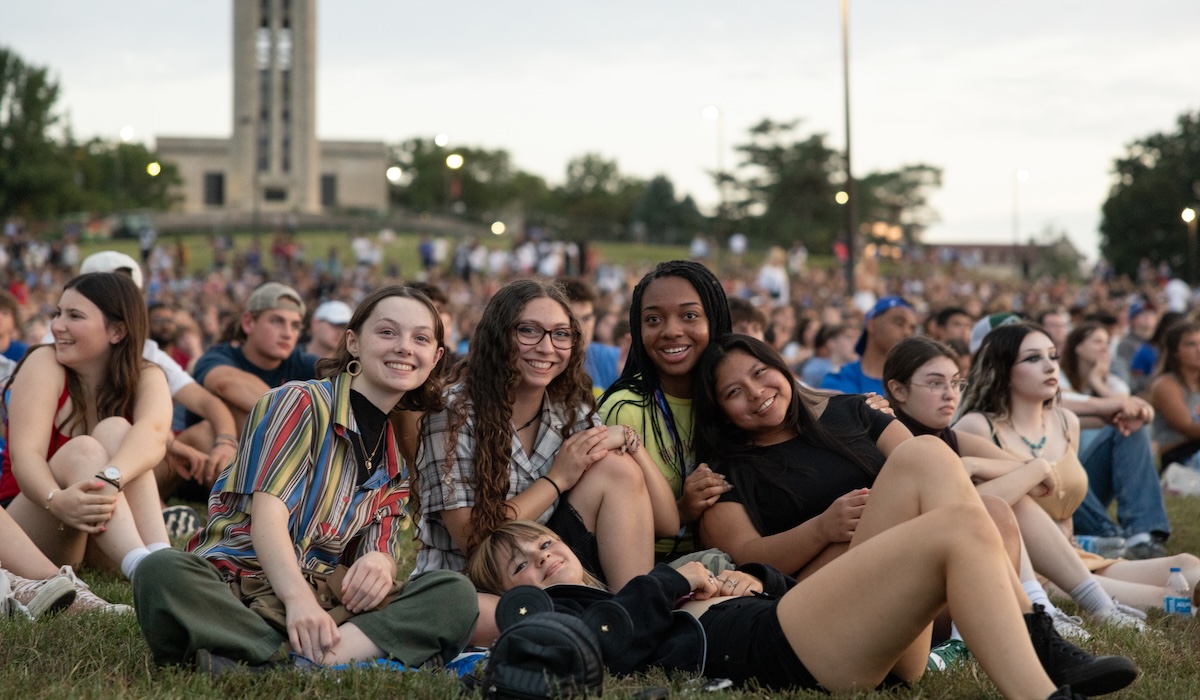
<point x="954" y="633"/>
<point x="1037" y="595"/>
<point x="155" y="546"/>
<point x="130" y="561"/>
<point x="1091" y="597"/>
<point x="1137" y="539"/>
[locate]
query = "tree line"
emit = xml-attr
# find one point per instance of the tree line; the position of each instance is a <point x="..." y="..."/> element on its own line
<point x="783" y="189"/>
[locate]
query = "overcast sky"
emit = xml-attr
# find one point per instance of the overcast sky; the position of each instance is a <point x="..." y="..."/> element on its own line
<point x="981" y="89"/>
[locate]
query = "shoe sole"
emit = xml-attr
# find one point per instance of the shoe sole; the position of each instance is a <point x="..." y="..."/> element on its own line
<point x="1105" y="674"/>
<point x="56" y="594"/>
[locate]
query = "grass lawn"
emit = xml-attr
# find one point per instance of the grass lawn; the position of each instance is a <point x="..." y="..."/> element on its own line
<point x="401" y="251"/>
<point x="101" y="656"/>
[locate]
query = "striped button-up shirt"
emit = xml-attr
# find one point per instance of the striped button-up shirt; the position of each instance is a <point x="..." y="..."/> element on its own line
<point x="297" y="447"/>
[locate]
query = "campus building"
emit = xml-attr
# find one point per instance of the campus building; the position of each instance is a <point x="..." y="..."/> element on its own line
<point x="273" y="163"/>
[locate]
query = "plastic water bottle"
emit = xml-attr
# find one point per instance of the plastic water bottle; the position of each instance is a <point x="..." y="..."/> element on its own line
<point x="1109" y="547"/>
<point x="1177" y="599"/>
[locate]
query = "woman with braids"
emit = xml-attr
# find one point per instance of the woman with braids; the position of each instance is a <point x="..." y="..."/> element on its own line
<point x="88" y="419"/>
<point x="519" y="439"/>
<point x="675" y="311"/>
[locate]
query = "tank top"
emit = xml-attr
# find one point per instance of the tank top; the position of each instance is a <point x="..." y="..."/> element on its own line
<point x="8" y="483"/>
<point x="1072" y="479"/>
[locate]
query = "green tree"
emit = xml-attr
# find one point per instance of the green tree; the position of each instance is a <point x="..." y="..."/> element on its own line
<point x="596" y="200"/>
<point x="1153" y="181"/>
<point x="35" y="176"/>
<point x="900" y="197"/>
<point x="787" y="187"/>
<point x="661" y="217"/>
<point x="114" y="176"/>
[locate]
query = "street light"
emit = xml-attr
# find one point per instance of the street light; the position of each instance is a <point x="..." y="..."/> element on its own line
<point x="394" y="174"/>
<point x="1189" y="218"/>
<point x="1020" y="175"/>
<point x="454" y="161"/>
<point x="153" y="169"/>
<point x="851" y="200"/>
<point x="714" y="114"/>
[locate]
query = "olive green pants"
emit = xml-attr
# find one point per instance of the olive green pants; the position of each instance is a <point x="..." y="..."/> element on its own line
<point x="183" y="605"/>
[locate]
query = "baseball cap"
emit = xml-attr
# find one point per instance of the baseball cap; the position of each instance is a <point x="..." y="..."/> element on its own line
<point x="987" y="324"/>
<point x="274" y="295"/>
<point x="881" y="307"/>
<point x="1138" y="307"/>
<point x="334" y="312"/>
<point x="112" y="261"/>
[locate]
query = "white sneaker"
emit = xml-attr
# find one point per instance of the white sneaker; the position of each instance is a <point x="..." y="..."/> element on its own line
<point x="85" y="600"/>
<point x="1069" y="626"/>
<point x="41" y="597"/>
<point x="1121" y="616"/>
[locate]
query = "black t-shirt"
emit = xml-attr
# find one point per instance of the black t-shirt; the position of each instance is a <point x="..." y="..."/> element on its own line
<point x="795" y="480"/>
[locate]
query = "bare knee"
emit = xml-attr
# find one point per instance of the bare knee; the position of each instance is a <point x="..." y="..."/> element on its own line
<point x="615" y="472"/>
<point x="927" y="455"/>
<point x="110" y="432"/>
<point x="79" y="459"/>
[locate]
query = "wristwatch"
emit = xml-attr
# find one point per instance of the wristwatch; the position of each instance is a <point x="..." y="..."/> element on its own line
<point x="112" y="475"/>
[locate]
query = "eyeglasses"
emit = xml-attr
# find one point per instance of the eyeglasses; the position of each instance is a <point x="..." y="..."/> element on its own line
<point x="561" y="338"/>
<point x="939" y="386"/>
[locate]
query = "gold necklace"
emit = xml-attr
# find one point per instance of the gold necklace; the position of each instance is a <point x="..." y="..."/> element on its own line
<point x="370" y="457"/>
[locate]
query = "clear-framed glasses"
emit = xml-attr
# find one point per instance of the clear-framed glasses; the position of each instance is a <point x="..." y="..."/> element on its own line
<point x="939" y="386"/>
<point x="561" y="338"/>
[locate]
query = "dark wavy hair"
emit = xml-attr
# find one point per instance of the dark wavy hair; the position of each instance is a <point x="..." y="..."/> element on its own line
<point x="728" y="449"/>
<point x="120" y="302"/>
<point x="640" y="375"/>
<point x="489" y="374"/>
<point x="908" y="356"/>
<point x="989" y="386"/>
<point x="427" y="397"/>
<point x="1171" y="340"/>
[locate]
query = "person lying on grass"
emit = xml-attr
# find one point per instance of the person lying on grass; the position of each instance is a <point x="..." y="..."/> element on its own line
<point x="781" y="634"/>
<point x="317" y="486"/>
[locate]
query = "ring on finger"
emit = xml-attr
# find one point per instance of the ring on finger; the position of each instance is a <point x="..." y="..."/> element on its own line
<point x="734" y="582"/>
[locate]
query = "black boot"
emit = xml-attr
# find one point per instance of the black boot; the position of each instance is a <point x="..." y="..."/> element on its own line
<point x="1064" y="693"/>
<point x="1067" y="664"/>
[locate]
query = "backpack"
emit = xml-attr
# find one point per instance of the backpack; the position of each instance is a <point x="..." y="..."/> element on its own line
<point x="545" y="654"/>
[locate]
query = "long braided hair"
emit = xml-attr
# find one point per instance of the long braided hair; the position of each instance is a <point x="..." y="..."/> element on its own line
<point x="640" y="375"/>
<point x="488" y="377"/>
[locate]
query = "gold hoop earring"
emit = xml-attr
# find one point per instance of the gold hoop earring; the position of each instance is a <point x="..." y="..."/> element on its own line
<point x="354" y="367"/>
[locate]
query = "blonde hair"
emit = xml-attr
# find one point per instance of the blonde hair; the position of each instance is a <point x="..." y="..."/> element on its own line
<point x="487" y="567"/>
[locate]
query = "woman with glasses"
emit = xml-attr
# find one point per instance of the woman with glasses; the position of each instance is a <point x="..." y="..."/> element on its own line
<point x="520" y="440"/>
<point x="1012" y="402"/>
<point x="923" y="384"/>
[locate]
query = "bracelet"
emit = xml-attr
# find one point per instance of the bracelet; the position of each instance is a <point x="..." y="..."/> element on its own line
<point x="227" y="438"/>
<point x="50" y="497"/>
<point x="551" y="481"/>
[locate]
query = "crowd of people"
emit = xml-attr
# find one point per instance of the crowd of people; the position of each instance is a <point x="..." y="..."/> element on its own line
<point x="757" y="449"/>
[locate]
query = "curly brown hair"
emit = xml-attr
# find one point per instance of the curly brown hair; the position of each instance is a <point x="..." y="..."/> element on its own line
<point x="489" y="376"/>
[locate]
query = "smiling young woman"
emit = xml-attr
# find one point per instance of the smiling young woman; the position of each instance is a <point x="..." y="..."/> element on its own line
<point x="316" y="496"/>
<point x="88" y="419"/>
<point x="520" y="440"/>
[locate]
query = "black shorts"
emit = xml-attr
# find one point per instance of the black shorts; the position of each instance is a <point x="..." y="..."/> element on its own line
<point x="746" y="642"/>
<point x="567" y="524"/>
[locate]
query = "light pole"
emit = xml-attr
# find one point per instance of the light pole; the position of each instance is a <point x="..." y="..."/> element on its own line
<point x="851" y="199"/>
<point x="1189" y="218"/>
<point x="454" y="161"/>
<point x="714" y="114"/>
<point x="1020" y="175"/>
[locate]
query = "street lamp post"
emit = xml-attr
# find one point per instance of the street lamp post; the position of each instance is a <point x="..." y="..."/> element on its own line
<point x="1189" y="217"/>
<point x="454" y="161"/>
<point x="851" y="199"/>
<point x="714" y="114"/>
